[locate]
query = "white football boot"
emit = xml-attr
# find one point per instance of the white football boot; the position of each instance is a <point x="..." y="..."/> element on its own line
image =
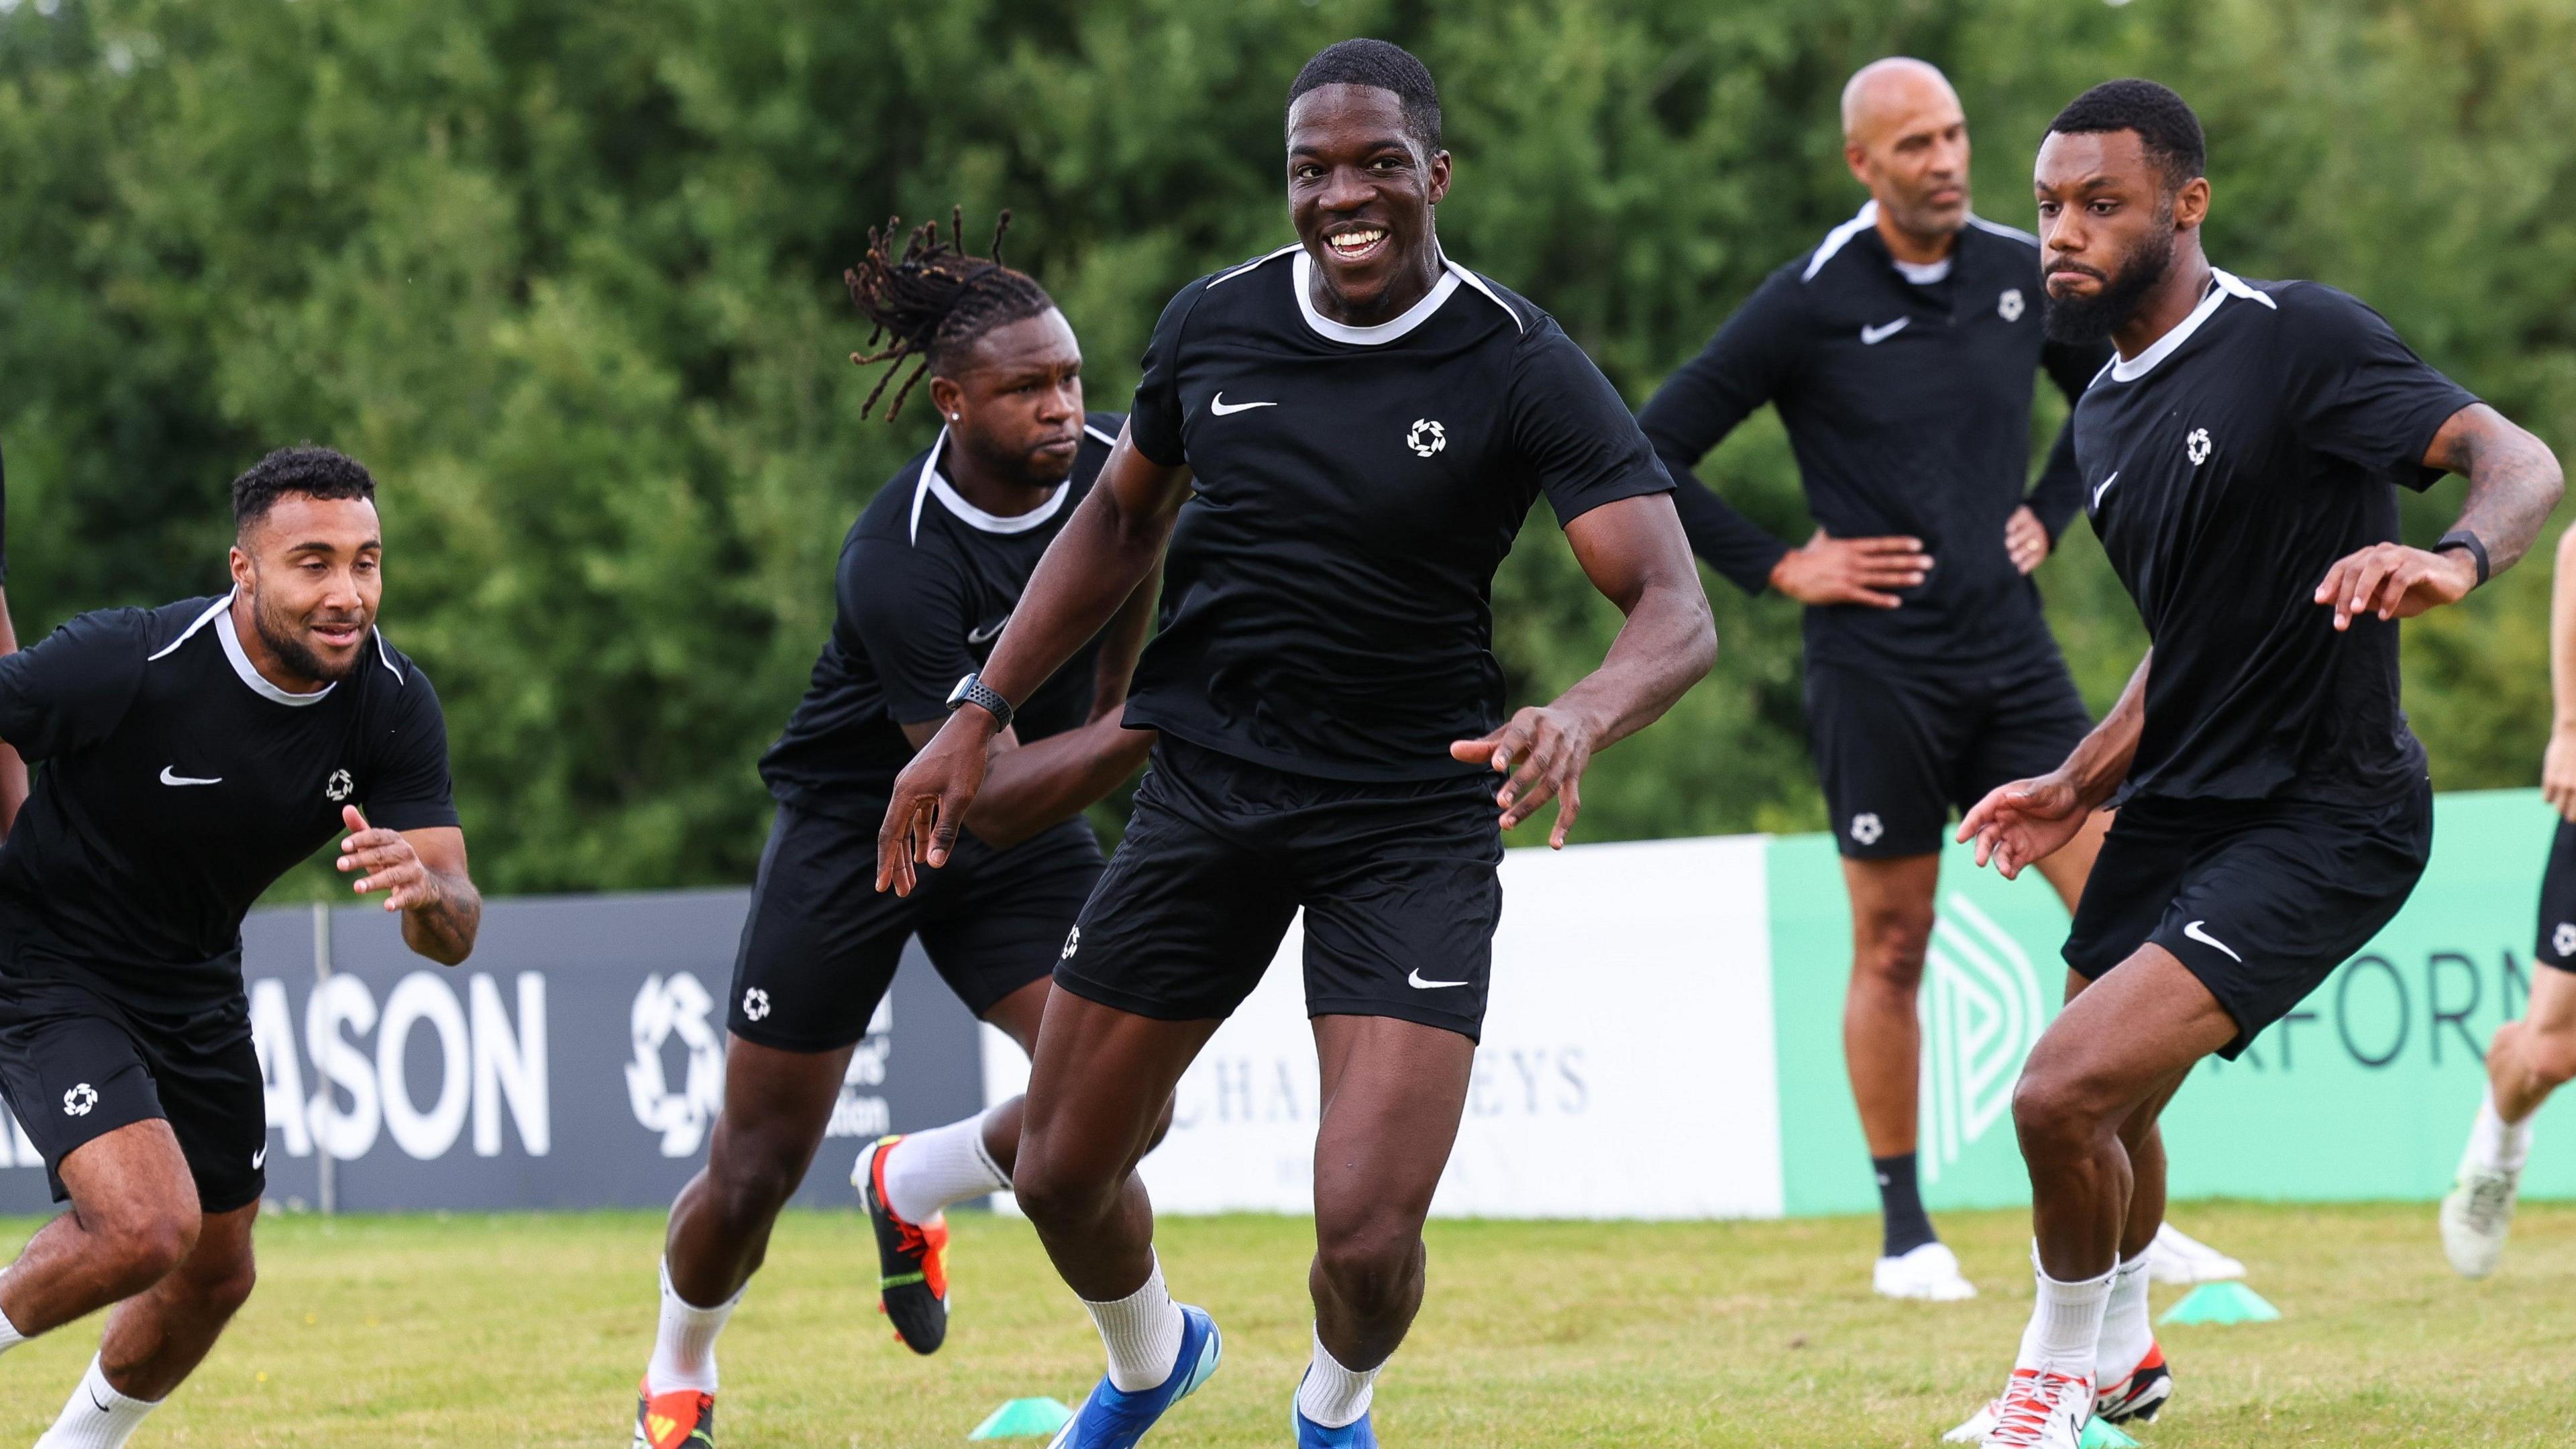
<point x="2476" y="1215"/>
<point x="1930" y="1273"/>
<point x="2176" y="1257"/>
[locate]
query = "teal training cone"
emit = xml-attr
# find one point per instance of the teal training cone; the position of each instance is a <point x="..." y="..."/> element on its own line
<point x="2221" y="1303"/>
<point x="2101" y="1434"/>
<point x="1023" y="1419"/>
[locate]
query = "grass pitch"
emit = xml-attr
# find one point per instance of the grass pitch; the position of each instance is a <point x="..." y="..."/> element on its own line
<point x="527" y="1330"/>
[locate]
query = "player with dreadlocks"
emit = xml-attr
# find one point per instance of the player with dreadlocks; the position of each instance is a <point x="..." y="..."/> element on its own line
<point x="927" y="577"/>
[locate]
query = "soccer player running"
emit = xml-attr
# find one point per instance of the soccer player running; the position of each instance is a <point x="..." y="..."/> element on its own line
<point x="928" y="575"/>
<point x="1339" y="442"/>
<point x="187" y="756"/>
<point x="2533" y="1057"/>
<point x="2240" y="461"/>
<point x="1900" y="352"/>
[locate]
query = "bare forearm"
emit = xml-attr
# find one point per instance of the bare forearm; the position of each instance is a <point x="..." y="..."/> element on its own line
<point x="1665" y="647"/>
<point x="2101" y="761"/>
<point x="443" y="929"/>
<point x="1121" y="643"/>
<point x="2514" y="481"/>
<point x="1057" y="778"/>
<point x="1092" y="568"/>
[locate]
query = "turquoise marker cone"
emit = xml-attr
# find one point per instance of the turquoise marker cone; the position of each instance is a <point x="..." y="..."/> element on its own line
<point x="2102" y="1435"/>
<point x="2221" y="1303"/>
<point x="1023" y="1419"/>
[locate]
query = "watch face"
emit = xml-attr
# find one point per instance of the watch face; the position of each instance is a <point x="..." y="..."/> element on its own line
<point x="965" y="688"/>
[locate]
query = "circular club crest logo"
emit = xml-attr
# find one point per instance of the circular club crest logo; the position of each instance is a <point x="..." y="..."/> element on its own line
<point x="2565" y="938"/>
<point x="755" y="1004"/>
<point x="1866" y="829"/>
<point x="78" y="1101"/>
<point x="2008" y="306"/>
<point x="2196" y="447"/>
<point x="1427" y="437"/>
<point x="341" y="786"/>
<point x="666" y="1007"/>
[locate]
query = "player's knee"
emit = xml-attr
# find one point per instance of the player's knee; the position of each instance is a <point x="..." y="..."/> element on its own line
<point x="1371" y="1263"/>
<point x="144" y="1245"/>
<point x="2053" y="1113"/>
<point x="1059" y="1193"/>
<point x="1888" y="947"/>
<point x="2550" y="1055"/>
<point x="753" y="1185"/>
<point x="222" y="1290"/>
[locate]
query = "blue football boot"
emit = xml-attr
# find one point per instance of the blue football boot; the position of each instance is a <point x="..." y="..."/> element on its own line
<point x="1354" y="1435"/>
<point x="1115" y="1419"/>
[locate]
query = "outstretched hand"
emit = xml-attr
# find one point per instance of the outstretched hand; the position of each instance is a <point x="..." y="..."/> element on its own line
<point x="390" y="863"/>
<point x="1544" y="750"/>
<point x="2395" y="582"/>
<point x="929" y="800"/>
<point x="2022" y="823"/>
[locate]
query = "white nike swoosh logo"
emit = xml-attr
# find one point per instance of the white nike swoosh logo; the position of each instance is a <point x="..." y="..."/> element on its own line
<point x="1414" y="980"/>
<point x="978" y="636"/>
<point x="260" y="1157"/>
<point x="169" y="779"/>
<point x="2105" y="488"/>
<point x="2193" y="930"/>
<point x="1872" y="336"/>
<point x="1219" y="406"/>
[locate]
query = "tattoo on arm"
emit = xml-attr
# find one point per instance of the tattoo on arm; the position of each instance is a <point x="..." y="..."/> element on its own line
<point x="444" y="929"/>
<point x="2514" y="481"/>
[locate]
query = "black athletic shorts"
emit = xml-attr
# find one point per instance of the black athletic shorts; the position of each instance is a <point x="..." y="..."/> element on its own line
<point x="1397" y="880"/>
<point x="821" y="944"/>
<point x="1897" y="751"/>
<point x="2260" y="899"/>
<point x="2558" y="903"/>
<point x="76" y="1065"/>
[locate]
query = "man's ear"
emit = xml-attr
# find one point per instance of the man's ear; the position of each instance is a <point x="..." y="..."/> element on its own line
<point x="2191" y="204"/>
<point x="241" y="567"/>
<point x="947" y="396"/>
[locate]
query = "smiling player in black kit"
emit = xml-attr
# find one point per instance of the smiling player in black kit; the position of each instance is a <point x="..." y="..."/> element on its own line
<point x="928" y="575"/>
<point x="187" y="756"/>
<point x="2241" y="457"/>
<point x="1339" y="442"/>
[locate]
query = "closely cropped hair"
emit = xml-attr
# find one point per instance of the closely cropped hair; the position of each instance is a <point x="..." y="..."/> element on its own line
<point x="2163" y="121"/>
<point x="934" y="300"/>
<point x="1386" y="66"/>
<point x="305" y="469"/>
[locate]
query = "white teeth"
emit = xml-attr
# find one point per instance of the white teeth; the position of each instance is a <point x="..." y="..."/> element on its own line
<point x="1352" y="241"/>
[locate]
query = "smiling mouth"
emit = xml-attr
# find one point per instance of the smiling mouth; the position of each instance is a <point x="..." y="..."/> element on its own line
<point x="339" y="636"/>
<point x="1356" y="244"/>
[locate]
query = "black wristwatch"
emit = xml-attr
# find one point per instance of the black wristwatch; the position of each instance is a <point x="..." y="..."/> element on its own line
<point x="973" y="690"/>
<point x="2461" y="538"/>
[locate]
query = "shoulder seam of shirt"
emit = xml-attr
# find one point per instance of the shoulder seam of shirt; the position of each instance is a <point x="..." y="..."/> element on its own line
<point x="921" y="485"/>
<point x="1107" y="439"/>
<point x="385" y="653"/>
<point x="1233" y="272"/>
<point x="1481" y="285"/>
<point x="2236" y="285"/>
<point x="1999" y="229"/>
<point x="1839" y="238"/>
<point x="202" y="620"/>
<point x="2223" y="285"/>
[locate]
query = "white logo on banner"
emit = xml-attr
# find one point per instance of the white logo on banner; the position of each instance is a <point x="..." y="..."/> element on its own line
<point x="861" y="1110"/>
<point x="665" y="1006"/>
<point x="1981" y="1011"/>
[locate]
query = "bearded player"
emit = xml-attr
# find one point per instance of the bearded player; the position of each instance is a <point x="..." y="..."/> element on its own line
<point x="2241" y="457"/>
<point x="186" y="757"/>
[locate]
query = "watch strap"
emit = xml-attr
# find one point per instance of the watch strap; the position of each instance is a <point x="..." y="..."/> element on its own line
<point x="2462" y="538"/>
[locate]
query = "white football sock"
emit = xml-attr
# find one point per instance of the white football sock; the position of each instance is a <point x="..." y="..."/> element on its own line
<point x="2066" y="1326"/>
<point x="684" y="1348"/>
<point x="2127" y="1331"/>
<point x="1142" y="1332"/>
<point x="1333" y="1396"/>
<point x="927" y="1171"/>
<point x="2496" y="1143"/>
<point x="10" y="1337"/>
<point x="97" y="1416"/>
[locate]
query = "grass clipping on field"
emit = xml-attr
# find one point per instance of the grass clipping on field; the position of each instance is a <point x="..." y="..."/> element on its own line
<point x="529" y="1330"/>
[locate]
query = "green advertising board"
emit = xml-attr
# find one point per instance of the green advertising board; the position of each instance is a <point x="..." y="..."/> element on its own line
<point x="2364" y="1092"/>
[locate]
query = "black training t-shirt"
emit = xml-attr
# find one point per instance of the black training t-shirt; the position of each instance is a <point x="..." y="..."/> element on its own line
<point x="926" y="582"/>
<point x="174" y="783"/>
<point x="2226" y="468"/>
<point x="1328" y="593"/>
<point x="1907" y="403"/>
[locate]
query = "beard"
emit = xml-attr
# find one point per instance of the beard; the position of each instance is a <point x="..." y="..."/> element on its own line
<point x="2090" y="320"/>
<point x="280" y="631"/>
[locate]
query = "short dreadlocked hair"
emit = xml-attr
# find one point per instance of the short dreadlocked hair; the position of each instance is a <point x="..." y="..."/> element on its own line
<point x="1386" y="66"/>
<point x="2164" y="122"/>
<point x="934" y="300"/>
<point x="304" y="469"/>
